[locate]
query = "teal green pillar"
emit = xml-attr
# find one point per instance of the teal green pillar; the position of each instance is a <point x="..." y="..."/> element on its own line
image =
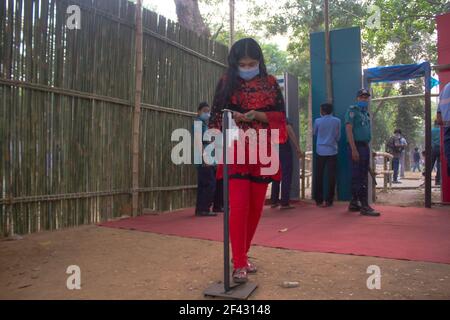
<point x="345" y="47"/>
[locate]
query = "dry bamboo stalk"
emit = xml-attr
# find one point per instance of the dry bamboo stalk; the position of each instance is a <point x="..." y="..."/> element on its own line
<point x="137" y="108"/>
<point x="67" y="144"/>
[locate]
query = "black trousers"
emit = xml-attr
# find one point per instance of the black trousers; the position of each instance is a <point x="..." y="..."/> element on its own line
<point x="360" y="172"/>
<point x="218" y="196"/>
<point x="206" y="187"/>
<point x="286" y="177"/>
<point x="331" y="163"/>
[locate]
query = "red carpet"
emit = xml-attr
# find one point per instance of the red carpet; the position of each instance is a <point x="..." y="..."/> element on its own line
<point x="400" y="233"/>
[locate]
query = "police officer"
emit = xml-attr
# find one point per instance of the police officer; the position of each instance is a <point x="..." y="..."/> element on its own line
<point x="357" y="125"/>
<point x="206" y="174"/>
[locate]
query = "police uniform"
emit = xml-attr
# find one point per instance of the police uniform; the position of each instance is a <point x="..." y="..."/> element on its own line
<point x="360" y="121"/>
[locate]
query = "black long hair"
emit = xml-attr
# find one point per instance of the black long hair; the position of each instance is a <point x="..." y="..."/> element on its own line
<point x="246" y="47"/>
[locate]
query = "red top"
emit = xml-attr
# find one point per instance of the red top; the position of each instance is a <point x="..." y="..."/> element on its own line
<point x="262" y="94"/>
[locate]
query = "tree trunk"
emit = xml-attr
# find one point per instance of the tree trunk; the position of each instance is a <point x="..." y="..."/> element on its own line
<point x="189" y="16"/>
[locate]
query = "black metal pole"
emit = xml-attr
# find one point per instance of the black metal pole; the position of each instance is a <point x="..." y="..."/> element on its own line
<point x="226" y="209"/>
<point x="238" y="291"/>
<point x="428" y="163"/>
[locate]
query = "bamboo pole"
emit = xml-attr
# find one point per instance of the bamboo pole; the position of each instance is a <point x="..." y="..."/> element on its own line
<point x="137" y="109"/>
<point x="231" y="23"/>
<point x="406" y="96"/>
<point x="328" y="54"/>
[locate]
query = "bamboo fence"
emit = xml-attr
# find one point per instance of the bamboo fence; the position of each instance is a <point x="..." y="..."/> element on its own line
<point x="66" y="111"/>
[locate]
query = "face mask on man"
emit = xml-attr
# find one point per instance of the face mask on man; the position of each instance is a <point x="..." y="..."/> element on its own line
<point x="205" y="116"/>
<point x="363" y="104"/>
<point x="248" y="74"/>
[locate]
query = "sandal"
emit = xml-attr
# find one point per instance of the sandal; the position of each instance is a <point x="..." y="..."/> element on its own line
<point x="251" y="268"/>
<point x="240" y="275"/>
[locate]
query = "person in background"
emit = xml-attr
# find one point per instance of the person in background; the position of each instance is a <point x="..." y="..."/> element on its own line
<point x="436" y="151"/>
<point x="285" y="150"/>
<point x="206" y="179"/>
<point x="416" y="158"/>
<point x="327" y="131"/>
<point x="394" y="147"/>
<point x="443" y="119"/>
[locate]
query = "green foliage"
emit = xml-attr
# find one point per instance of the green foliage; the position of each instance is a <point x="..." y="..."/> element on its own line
<point x="407" y="34"/>
<point x="276" y="60"/>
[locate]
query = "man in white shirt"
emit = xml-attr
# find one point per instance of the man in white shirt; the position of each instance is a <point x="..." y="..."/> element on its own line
<point x="443" y="119"/>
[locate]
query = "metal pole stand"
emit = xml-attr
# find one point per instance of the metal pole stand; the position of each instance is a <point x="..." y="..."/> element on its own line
<point x="224" y="289"/>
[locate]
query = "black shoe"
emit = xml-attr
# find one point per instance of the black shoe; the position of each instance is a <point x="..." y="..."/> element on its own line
<point x="319" y="204"/>
<point x="327" y="204"/>
<point x="368" y="211"/>
<point x="354" y="206"/>
<point x="396" y="182"/>
<point x="217" y="210"/>
<point x="205" y="214"/>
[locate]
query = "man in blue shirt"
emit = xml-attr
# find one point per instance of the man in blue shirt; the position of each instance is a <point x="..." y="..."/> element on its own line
<point x="395" y="147"/>
<point x="327" y="130"/>
<point x="443" y="119"/>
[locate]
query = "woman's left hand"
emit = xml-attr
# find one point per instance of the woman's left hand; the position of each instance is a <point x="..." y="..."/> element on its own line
<point x="251" y="115"/>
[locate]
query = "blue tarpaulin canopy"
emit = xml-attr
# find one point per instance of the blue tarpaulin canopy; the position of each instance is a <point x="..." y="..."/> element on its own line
<point x="401" y="72"/>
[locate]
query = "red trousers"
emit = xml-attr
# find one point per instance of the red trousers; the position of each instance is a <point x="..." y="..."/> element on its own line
<point x="246" y="204"/>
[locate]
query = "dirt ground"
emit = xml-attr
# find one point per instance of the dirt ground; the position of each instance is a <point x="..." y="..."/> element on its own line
<point x="408" y="198"/>
<point x="122" y="264"/>
<point x="411" y="192"/>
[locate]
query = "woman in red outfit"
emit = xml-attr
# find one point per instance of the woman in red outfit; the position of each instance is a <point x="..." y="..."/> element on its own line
<point x="257" y="103"/>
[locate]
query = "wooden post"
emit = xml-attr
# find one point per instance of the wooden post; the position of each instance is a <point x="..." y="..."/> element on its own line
<point x="231" y="23"/>
<point x="328" y="54"/>
<point x="303" y="176"/>
<point x="137" y="109"/>
<point x="385" y="168"/>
